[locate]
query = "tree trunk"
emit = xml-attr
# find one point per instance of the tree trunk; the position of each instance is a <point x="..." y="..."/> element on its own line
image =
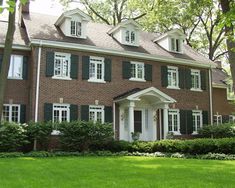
<point x="6" y="56"/>
<point x="229" y="32"/>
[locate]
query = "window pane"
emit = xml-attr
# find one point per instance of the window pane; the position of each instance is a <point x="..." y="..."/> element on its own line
<point x="92" y="116"/>
<point x="57" y="67"/>
<point x="140" y="70"/>
<point x="194" y="123"/>
<point x="99" y="71"/>
<point x="65" y="67"/>
<point x="92" y="70"/>
<point x="173" y="44"/>
<point x="170" y="122"/>
<point x="132" y="37"/>
<point x="6" y="113"/>
<point x="127" y="36"/>
<point x="79" y="28"/>
<point x="198" y="122"/>
<point x="175" y="122"/>
<point x="177" y="45"/>
<point x="64" y="115"/>
<point x="133" y="71"/>
<point x="14" y="114"/>
<point x="15" y="69"/>
<point x="72" y="27"/>
<point x="56" y="116"/>
<point x="99" y="117"/>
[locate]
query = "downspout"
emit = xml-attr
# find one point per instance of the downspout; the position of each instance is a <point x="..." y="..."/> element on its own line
<point x="210" y="90"/>
<point x="114" y="119"/>
<point x="38" y="81"/>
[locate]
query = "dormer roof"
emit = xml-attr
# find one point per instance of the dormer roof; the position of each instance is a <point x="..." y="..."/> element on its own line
<point x="125" y="23"/>
<point x="173" y="32"/>
<point x="69" y="14"/>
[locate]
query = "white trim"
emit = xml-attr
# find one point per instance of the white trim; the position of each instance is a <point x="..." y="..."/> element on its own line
<point x="137" y="80"/>
<point x="17" y="47"/>
<point x="196" y="72"/>
<point x="210" y="95"/>
<point x="67" y="56"/>
<point x="144" y="56"/>
<point x="174" y="111"/>
<point x="97" y="110"/>
<point x="198" y="112"/>
<point x="136" y="71"/>
<point x="176" y="70"/>
<point x="10" y="111"/>
<point x="97" y="60"/>
<point x="61" y="105"/>
<point x="12" y="63"/>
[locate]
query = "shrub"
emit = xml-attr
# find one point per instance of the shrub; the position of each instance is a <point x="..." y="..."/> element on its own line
<point x="83" y="136"/>
<point x="12" y="137"/>
<point x="218" y="131"/>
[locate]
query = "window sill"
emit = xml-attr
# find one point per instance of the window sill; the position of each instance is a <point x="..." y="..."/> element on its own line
<point x="195" y="133"/>
<point x="11" y="78"/>
<point x="55" y="133"/>
<point x="61" y="78"/>
<point x="175" y="133"/>
<point x="137" y="80"/>
<point x="172" y="87"/>
<point x="196" y="89"/>
<point x="97" y="81"/>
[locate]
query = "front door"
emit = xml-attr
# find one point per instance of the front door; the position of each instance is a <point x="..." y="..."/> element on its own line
<point x="138" y="121"/>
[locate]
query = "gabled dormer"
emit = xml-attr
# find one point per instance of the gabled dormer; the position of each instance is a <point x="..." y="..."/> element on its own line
<point x="126" y="32"/>
<point x="172" y="41"/>
<point x="73" y="23"/>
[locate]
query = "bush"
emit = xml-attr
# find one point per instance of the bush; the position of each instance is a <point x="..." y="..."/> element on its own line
<point x="84" y="136"/>
<point x="218" y="131"/>
<point x="12" y="137"/>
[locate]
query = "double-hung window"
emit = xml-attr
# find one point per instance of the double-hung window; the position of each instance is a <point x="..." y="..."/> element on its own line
<point x="61" y="112"/>
<point x="62" y="65"/>
<point x="76" y="28"/>
<point x="176" y="45"/>
<point x="217" y="119"/>
<point x="173" y="77"/>
<point x="197" y="120"/>
<point x="130" y="37"/>
<point x="11" y="113"/>
<point x="16" y="67"/>
<point x="96" y="69"/>
<point x="173" y="121"/>
<point x="137" y="71"/>
<point x="96" y="113"/>
<point x="196" y="79"/>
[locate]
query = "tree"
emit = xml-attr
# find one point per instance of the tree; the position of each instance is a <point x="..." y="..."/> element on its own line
<point x="7" y="47"/>
<point x="228" y="9"/>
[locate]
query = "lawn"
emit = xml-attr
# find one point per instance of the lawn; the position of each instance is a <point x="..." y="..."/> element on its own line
<point x="115" y="172"/>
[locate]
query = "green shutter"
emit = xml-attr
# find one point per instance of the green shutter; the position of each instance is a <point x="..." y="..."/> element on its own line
<point x="22" y="113"/>
<point x="74" y="66"/>
<point x="48" y="111"/>
<point x="1" y="56"/>
<point x="107" y="70"/>
<point x="108" y="114"/>
<point x="85" y="113"/>
<point x="126" y="70"/>
<point x="148" y="72"/>
<point x="205" y="118"/>
<point x="50" y="64"/>
<point x="73" y="112"/>
<point x="182" y="78"/>
<point x="183" y="114"/>
<point x="25" y="67"/>
<point x="189" y="122"/>
<point x="164" y="76"/>
<point x="203" y="80"/>
<point x="85" y="67"/>
<point x="188" y="79"/>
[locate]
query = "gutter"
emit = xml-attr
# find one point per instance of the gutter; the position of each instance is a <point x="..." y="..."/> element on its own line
<point x="138" y="55"/>
<point x="38" y="81"/>
<point x="18" y="47"/>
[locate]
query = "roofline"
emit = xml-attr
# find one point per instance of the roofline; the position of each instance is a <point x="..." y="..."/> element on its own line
<point x="18" y="47"/>
<point x="169" y="33"/>
<point x="221" y="86"/>
<point x="95" y="49"/>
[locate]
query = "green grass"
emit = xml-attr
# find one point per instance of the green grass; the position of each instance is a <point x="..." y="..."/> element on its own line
<point x="115" y="172"/>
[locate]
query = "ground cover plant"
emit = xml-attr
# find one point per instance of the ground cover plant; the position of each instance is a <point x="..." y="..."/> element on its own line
<point x="128" y="172"/>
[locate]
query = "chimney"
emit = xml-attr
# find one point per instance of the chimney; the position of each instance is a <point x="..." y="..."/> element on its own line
<point x="219" y="64"/>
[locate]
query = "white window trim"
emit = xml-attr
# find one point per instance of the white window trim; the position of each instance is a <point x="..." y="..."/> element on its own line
<point x="10" y="111"/>
<point x="103" y="71"/>
<point x="95" y="110"/>
<point x="180" y="44"/>
<point x="11" y="61"/>
<point x="130" y="31"/>
<point x="76" y="36"/>
<point x="138" y="79"/>
<point x="175" y="111"/>
<point x="199" y="79"/>
<point x="64" y="105"/>
<point x="59" y="77"/>
<point x="217" y="119"/>
<point x="200" y="113"/>
<point x="177" y="77"/>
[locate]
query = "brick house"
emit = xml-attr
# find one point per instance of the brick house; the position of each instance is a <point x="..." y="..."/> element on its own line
<point x="67" y="68"/>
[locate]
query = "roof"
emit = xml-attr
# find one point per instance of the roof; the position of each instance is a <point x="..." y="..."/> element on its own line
<point x="20" y="37"/>
<point x="41" y="26"/>
<point x="126" y="94"/>
<point x="172" y="32"/>
<point x="218" y="77"/>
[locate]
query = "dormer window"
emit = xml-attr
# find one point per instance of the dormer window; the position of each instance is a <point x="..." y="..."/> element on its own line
<point x="130" y="37"/>
<point x="176" y="45"/>
<point x="76" y="28"/>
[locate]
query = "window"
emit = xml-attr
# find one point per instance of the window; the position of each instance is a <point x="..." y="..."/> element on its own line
<point x="137" y="71"/>
<point x="196" y="79"/>
<point x="62" y="65"/>
<point x="76" y="28"/>
<point x="173" y="121"/>
<point x="96" y="113"/>
<point x="197" y="120"/>
<point x="130" y="37"/>
<point x="11" y="113"/>
<point x="230" y="91"/>
<point x="217" y="119"/>
<point x="96" y="69"/>
<point x="61" y="112"/>
<point x="16" y="67"/>
<point x="231" y="119"/>
<point x="173" y="77"/>
<point x="1" y="2"/>
<point x="175" y="45"/>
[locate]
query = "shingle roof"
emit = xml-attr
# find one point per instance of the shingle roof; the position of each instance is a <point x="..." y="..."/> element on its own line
<point x="218" y="76"/>
<point x="40" y="26"/>
<point x="126" y="94"/>
<point x="20" y="37"/>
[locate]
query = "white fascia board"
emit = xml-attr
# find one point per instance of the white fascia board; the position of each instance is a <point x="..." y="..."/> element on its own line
<point x="18" y="47"/>
<point x="95" y="49"/>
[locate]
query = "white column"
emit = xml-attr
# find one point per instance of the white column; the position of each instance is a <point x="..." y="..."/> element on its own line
<point x="131" y="119"/>
<point x="160" y="123"/>
<point x="165" y="119"/>
<point x="154" y="125"/>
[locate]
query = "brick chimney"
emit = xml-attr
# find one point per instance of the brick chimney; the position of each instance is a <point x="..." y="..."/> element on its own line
<point x="219" y="64"/>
